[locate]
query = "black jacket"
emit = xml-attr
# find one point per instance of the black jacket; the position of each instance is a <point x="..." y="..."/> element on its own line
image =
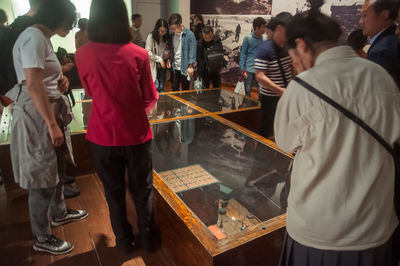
<point x="201" y="53"/>
<point x="8" y="76"/>
<point x="385" y="51"/>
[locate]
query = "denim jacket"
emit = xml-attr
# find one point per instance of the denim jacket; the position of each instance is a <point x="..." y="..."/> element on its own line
<point x="189" y="47"/>
<point x="248" y="52"/>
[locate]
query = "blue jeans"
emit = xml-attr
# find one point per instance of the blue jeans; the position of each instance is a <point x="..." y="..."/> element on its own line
<point x="161" y="73"/>
<point x="249" y="81"/>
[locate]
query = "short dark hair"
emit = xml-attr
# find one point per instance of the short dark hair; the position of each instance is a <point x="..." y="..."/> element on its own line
<point x="175" y="19"/>
<point x="391" y="5"/>
<point x="82" y="23"/>
<point x="3" y="16"/>
<point x="357" y="40"/>
<point x="35" y="3"/>
<point x="56" y="14"/>
<point x="108" y="22"/>
<point x="207" y="29"/>
<point x="136" y="16"/>
<point x="282" y="19"/>
<point x="313" y="27"/>
<point x="258" y="22"/>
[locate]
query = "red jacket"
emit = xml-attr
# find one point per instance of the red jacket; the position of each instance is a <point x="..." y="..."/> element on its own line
<point x="118" y="78"/>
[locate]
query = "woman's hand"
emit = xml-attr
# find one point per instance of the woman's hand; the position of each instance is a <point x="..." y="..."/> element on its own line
<point x="57" y="137"/>
<point x="190" y="71"/>
<point x="63" y="84"/>
<point x="168" y="64"/>
<point x="163" y="65"/>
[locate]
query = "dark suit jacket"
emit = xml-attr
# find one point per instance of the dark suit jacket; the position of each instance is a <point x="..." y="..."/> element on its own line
<point x="385" y="51"/>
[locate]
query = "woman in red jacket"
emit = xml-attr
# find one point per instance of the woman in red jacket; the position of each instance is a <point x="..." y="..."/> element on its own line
<point x="116" y="74"/>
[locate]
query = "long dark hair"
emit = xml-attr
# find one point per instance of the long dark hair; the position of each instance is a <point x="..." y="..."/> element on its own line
<point x="161" y="23"/>
<point x="108" y="22"/>
<point x="313" y="27"/>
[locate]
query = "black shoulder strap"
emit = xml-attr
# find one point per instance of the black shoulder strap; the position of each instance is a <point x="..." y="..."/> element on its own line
<point x="393" y="151"/>
<point x="347" y="113"/>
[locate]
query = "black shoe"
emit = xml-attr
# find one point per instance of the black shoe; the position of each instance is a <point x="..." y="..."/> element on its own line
<point x="71" y="216"/>
<point x="53" y="245"/>
<point x="70" y="191"/>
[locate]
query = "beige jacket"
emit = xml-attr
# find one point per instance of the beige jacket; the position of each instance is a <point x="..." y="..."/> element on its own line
<point x="342" y="186"/>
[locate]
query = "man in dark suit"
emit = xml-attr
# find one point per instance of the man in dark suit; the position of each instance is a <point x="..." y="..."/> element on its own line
<point x="378" y="23"/>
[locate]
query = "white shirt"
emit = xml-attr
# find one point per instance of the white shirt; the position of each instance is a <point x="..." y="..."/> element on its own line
<point x="156" y="52"/>
<point x="177" y="51"/>
<point x="33" y="50"/>
<point x="342" y="182"/>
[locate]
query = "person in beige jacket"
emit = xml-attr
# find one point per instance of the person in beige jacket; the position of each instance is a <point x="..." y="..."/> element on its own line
<point x="157" y="44"/>
<point x="341" y="201"/>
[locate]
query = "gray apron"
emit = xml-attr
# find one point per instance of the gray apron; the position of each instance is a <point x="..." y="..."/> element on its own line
<point x="33" y="155"/>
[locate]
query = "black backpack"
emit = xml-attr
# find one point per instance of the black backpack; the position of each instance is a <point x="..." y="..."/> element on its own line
<point x="214" y="57"/>
<point x="8" y="77"/>
<point x="4" y="32"/>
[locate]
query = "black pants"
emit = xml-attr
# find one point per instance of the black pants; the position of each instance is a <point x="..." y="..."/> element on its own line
<point x="178" y="79"/>
<point x="111" y="163"/>
<point x="214" y="78"/>
<point x="268" y="110"/>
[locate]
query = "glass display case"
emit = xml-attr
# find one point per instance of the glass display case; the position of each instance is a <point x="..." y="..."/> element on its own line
<point x="230" y="183"/>
<point x="220" y="189"/>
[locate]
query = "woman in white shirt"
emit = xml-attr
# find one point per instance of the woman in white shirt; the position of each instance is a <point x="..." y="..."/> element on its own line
<point x="158" y="44"/>
<point x="41" y="114"/>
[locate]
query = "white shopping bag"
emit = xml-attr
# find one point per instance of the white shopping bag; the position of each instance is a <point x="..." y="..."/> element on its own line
<point x="240" y="88"/>
<point x="198" y="86"/>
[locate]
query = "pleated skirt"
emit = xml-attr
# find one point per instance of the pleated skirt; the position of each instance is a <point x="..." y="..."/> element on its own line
<point x="295" y="254"/>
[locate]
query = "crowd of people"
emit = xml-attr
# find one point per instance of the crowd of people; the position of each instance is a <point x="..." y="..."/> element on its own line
<point x="335" y="107"/>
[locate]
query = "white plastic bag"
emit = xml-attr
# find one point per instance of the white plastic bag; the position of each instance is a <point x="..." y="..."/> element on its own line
<point x="198" y="86"/>
<point x="239" y="89"/>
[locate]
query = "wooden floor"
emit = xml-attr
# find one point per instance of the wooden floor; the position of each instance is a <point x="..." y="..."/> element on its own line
<point x="92" y="237"/>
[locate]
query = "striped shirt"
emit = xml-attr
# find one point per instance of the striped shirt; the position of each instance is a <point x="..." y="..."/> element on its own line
<point x="267" y="59"/>
<point x="138" y="38"/>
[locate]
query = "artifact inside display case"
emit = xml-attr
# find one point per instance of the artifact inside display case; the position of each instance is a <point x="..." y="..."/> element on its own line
<point x="5" y="125"/>
<point x="229" y="180"/>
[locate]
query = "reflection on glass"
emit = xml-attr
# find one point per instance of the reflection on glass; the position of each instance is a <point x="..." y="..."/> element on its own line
<point x="166" y="108"/>
<point x="229" y="180"/>
<point x="218" y="100"/>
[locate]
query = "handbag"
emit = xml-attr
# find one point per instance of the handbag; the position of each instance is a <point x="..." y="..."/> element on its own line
<point x="394" y="151"/>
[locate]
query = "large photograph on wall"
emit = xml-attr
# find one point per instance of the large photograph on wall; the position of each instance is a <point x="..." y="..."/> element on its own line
<point x="235" y="7"/>
<point x="232" y="20"/>
<point x="231" y="29"/>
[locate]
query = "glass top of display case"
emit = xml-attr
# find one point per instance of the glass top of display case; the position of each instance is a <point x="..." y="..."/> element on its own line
<point x="220" y="100"/>
<point x="229" y="180"/>
<point x="166" y="108"/>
